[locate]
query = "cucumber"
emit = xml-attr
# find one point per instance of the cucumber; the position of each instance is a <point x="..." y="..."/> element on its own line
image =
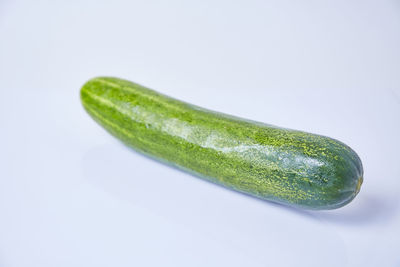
<point x="286" y="166"/>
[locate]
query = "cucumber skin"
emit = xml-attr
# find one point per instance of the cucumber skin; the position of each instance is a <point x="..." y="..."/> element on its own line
<point x="285" y="166"/>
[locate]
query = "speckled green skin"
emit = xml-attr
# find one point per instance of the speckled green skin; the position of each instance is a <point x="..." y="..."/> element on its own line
<point x="281" y="165"/>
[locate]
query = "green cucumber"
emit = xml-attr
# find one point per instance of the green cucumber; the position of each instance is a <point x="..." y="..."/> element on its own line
<point x="290" y="167"/>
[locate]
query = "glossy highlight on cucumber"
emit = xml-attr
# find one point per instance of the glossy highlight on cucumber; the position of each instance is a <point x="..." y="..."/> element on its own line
<point x="286" y="166"/>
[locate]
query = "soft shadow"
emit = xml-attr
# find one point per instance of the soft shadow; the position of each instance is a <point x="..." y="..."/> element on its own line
<point x="366" y="210"/>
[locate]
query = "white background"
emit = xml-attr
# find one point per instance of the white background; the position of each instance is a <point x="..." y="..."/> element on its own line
<point x="72" y="195"/>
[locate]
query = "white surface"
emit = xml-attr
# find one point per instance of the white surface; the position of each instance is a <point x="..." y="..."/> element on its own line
<point x="71" y="195"/>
